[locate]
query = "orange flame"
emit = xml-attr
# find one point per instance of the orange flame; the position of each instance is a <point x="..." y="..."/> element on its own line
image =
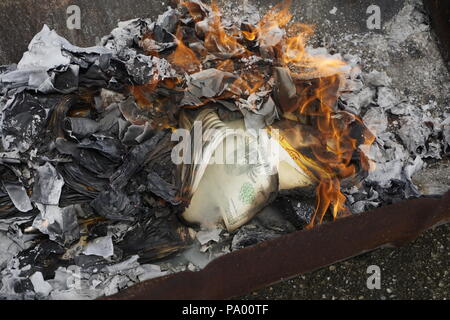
<point x="183" y="57"/>
<point x="195" y="10"/>
<point x="217" y="40"/>
<point x="278" y="17"/>
<point x="334" y="148"/>
<point x="226" y="65"/>
<point x="330" y="144"/>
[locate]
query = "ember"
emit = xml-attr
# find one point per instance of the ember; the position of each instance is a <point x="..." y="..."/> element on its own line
<point x="104" y="169"/>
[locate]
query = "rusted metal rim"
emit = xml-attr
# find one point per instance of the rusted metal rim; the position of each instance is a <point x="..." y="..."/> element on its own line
<point x="304" y="251"/>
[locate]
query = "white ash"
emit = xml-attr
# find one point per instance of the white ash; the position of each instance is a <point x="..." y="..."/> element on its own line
<point x="41" y="287"/>
<point x="199" y="256"/>
<point x="8" y="249"/>
<point x="102" y="247"/>
<point x="208" y="235"/>
<point x="123" y="36"/>
<point x="72" y="283"/>
<point x="48" y="186"/>
<point x="407" y="112"/>
<point x="246" y="12"/>
<point x="18" y="196"/>
<point x="405" y="53"/>
<point x="60" y="224"/>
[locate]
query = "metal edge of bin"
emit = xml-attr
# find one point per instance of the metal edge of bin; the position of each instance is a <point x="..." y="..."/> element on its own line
<point x="303" y="251"/>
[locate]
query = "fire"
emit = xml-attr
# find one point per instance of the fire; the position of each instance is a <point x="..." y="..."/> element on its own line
<point x="148" y="44"/>
<point x="140" y="93"/>
<point x="155" y="106"/>
<point x="278" y="17"/>
<point x="195" y="10"/>
<point x="217" y="40"/>
<point x="226" y="65"/>
<point x="183" y="57"/>
<point x="321" y="139"/>
<point x="248" y="83"/>
<point x="334" y="150"/>
<point x="336" y="147"/>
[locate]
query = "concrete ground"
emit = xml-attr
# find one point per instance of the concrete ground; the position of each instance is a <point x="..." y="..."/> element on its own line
<point x="420" y="270"/>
